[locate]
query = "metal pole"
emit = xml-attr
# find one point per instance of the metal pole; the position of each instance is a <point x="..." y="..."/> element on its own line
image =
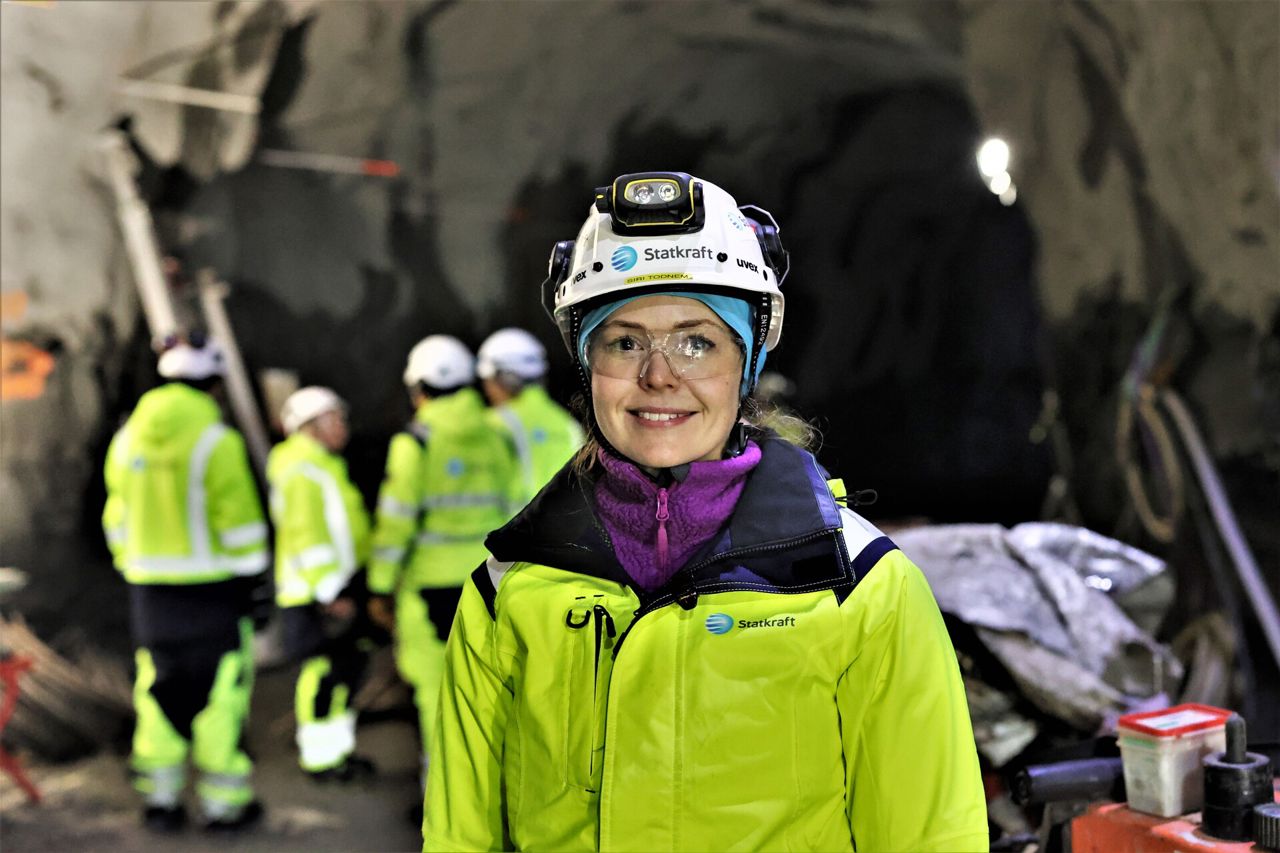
<point x="1255" y="587"/>
<point x="139" y="236"/>
<point x="240" y="392"/>
<point x="212" y="99"/>
<point x="334" y="163"/>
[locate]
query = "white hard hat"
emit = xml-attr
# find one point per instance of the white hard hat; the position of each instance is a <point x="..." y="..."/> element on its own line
<point x="513" y="351"/>
<point x="185" y="361"/>
<point x="307" y="404"/>
<point x="662" y="232"/>
<point x="441" y="361"/>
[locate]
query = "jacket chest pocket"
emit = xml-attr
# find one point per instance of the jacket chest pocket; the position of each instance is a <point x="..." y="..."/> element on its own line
<point x="591" y="634"/>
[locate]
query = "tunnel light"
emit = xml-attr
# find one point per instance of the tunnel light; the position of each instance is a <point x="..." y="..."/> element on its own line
<point x="1009" y="196"/>
<point x="993" y="157"/>
<point x="1000" y="183"/>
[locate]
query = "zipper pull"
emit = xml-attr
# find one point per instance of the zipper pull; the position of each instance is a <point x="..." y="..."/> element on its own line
<point x="603" y="614"/>
<point x="662" y="515"/>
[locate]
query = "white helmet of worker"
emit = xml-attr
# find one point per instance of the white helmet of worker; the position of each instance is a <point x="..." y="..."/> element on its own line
<point x="512" y="351"/>
<point x="306" y="404"/>
<point x="185" y="360"/>
<point x="655" y="232"/>
<point x="442" y="362"/>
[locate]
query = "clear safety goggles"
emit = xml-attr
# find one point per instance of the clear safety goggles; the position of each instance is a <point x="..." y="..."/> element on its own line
<point x="700" y="352"/>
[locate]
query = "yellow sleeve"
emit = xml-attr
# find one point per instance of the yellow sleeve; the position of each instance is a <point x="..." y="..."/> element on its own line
<point x="912" y="775"/>
<point x="464" y="808"/>
<point x="113" y="511"/>
<point x="304" y="544"/>
<point x="397" y="518"/>
<point x="236" y="520"/>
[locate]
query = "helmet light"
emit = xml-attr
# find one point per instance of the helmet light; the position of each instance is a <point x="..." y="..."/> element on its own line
<point x="653" y="204"/>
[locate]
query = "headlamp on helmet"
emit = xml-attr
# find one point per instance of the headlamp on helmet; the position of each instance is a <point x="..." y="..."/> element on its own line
<point x="653" y="232"/>
<point x="653" y="203"/>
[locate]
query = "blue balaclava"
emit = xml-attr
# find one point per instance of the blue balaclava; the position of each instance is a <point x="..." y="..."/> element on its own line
<point x="736" y="314"/>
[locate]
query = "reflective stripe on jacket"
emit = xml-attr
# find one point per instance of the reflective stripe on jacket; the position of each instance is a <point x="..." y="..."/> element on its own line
<point x="445" y="488"/>
<point x="544" y="436"/>
<point x="793" y="688"/>
<point x="182" y="506"/>
<point x="322" y="528"/>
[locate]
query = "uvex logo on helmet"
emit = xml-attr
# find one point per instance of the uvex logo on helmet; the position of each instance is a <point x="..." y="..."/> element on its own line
<point x="623" y="259"/>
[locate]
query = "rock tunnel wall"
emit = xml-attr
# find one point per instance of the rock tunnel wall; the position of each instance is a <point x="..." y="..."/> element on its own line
<point x="925" y="318"/>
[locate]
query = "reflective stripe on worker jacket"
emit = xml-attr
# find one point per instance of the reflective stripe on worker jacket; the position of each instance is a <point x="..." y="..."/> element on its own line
<point x="792" y="689"/>
<point x="322" y="528"/>
<point x="544" y="436"/>
<point x="182" y="507"/>
<point x="445" y="489"/>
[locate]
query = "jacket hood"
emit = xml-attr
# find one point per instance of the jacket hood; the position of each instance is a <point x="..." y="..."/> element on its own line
<point x="785" y="516"/>
<point x="166" y="418"/>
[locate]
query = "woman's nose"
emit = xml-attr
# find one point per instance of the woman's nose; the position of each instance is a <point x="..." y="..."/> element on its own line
<point x="656" y="371"/>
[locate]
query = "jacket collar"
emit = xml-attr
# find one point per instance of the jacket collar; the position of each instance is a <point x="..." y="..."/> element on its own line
<point x="784" y="532"/>
<point x="462" y="402"/>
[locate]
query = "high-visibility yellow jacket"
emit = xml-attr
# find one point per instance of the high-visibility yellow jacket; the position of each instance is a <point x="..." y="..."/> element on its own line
<point x="322" y="528"/>
<point x="445" y="488"/>
<point x="182" y="506"/>
<point x="793" y="688"/>
<point x="544" y="435"/>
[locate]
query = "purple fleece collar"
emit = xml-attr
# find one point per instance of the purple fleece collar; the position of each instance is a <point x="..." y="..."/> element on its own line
<point x="630" y="504"/>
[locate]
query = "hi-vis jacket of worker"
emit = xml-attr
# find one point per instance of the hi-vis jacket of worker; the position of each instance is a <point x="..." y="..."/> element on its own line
<point x="792" y="688"/>
<point x="322" y="529"/>
<point x="544" y="437"/>
<point x="445" y="488"/>
<point x="182" y="507"/>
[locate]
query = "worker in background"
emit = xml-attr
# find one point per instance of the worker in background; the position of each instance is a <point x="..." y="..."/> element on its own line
<point x="511" y="364"/>
<point x="186" y="529"/>
<point x="322" y="541"/>
<point x="445" y="488"/>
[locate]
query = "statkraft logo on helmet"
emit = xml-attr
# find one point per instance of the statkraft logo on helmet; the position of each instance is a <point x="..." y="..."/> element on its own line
<point x="623" y="259"/>
<point x="700" y="252"/>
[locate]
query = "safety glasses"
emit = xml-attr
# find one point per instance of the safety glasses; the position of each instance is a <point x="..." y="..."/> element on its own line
<point x="698" y="352"/>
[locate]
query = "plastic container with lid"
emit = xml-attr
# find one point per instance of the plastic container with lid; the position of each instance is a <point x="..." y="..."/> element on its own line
<point x="1162" y="753"/>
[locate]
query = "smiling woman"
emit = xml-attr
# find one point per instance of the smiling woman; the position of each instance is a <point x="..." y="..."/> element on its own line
<point x="601" y="658"/>
<point x="665" y="373"/>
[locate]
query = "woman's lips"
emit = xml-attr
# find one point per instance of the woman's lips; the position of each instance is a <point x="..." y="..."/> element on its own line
<point x="660" y="418"/>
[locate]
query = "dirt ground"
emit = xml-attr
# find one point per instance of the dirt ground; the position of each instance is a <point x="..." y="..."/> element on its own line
<point x="88" y="805"/>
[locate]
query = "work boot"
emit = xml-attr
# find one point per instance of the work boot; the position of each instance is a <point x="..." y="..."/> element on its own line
<point x="356" y="768"/>
<point x="164" y="818"/>
<point x="248" y="816"/>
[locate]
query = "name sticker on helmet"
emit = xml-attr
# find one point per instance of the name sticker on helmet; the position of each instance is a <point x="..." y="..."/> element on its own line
<point x="660" y="276"/>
